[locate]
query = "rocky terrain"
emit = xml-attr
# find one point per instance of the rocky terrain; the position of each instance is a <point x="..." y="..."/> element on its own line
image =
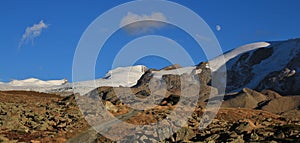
<point x="38" y="117"/>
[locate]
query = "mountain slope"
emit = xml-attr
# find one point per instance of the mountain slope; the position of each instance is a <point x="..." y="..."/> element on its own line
<point x="265" y="67"/>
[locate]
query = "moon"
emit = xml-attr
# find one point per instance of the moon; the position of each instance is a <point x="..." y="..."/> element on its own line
<point x="218" y="28"/>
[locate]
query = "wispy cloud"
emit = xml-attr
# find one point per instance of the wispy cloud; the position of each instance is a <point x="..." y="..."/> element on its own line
<point x="139" y="24"/>
<point x="32" y="32"/>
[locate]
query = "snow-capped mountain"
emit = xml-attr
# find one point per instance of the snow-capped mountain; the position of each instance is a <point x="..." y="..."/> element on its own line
<point x="262" y="65"/>
<point x="122" y="76"/>
<point x="268" y="65"/>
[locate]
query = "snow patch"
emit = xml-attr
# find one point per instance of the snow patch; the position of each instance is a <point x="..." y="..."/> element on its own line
<point x="216" y="63"/>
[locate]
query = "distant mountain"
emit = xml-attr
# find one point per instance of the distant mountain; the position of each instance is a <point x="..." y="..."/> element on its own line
<point x="37" y="82"/>
<point x="122" y="76"/>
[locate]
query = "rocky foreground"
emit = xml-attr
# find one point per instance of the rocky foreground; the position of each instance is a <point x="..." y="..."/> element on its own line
<point x="38" y="117"/>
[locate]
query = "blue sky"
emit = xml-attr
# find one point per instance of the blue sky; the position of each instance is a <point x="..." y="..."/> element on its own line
<point x="49" y="54"/>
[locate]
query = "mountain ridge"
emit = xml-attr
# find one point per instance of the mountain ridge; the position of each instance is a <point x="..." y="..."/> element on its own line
<point x="258" y="65"/>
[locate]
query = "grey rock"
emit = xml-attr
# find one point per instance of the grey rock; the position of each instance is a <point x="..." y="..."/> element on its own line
<point x="212" y="137"/>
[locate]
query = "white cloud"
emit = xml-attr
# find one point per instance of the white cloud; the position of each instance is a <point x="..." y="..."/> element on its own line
<point x="144" y="23"/>
<point x="32" y="32"/>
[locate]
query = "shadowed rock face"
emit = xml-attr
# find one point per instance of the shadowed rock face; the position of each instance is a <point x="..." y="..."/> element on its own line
<point x="240" y="73"/>
<point x="285" y="81"/>
<point x="145" y="79"/>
